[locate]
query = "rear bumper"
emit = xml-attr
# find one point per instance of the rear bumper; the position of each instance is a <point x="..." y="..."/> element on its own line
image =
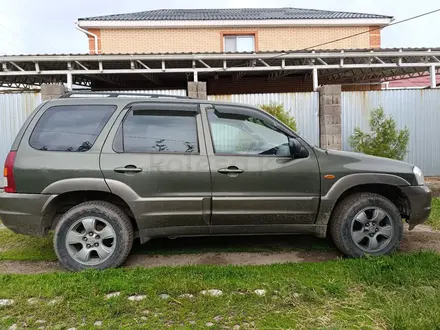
<point x="420" y="204"/>
<point x="23" y="213"/>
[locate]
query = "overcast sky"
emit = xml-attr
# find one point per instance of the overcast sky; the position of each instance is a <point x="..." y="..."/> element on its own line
<point x="47" y="26"/>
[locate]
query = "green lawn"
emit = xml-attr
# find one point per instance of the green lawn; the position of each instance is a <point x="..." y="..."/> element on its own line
<point x="20" y="247"/>
<point x="434" y="219"/>
<point x="398" y="292"/>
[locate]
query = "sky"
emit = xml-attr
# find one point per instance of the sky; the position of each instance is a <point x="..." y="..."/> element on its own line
<point x="47" y="26"/>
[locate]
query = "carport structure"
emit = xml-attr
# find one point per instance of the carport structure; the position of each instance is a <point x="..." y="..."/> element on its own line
<point x="168" y="71"/>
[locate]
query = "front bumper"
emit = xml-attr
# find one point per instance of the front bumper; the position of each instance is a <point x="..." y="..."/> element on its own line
<point x="23" y="213"/>
<point x="420" y="204"/>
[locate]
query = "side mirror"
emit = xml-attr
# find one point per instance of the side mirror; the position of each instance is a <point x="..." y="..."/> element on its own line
<point x="297" y="149"/>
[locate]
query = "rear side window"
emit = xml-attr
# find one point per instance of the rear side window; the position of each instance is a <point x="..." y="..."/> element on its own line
<point x="73" y="128"/>
<point x="147" y="131"/>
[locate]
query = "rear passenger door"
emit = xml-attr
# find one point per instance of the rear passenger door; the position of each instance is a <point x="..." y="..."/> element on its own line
<point x="155" y="159"/>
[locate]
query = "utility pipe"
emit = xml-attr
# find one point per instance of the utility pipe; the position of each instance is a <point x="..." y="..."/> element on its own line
<point x="433" y="76"/>
<point x="315" y="79"/>
<point x="90" y="34"/>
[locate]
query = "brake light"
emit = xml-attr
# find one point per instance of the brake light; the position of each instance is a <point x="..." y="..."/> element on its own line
<point x="8" y="173"/>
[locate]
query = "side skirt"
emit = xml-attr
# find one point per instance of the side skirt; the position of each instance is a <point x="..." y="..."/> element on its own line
<point x="146" y="234"/>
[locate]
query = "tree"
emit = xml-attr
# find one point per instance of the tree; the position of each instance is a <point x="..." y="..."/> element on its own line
<point x="277" y="110"/>
<point x="385" y="140"/>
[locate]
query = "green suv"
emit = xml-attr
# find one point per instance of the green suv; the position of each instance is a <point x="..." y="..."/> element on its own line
<point x="103" y="169"/>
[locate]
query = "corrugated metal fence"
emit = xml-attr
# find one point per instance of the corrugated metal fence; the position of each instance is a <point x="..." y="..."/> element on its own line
<point x="419" y="110"/>
<point x="303" y="106"/>
<point x="14" y="109"/>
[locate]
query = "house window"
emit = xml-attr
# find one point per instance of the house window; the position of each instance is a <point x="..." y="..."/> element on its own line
<point x="239" y="43"/>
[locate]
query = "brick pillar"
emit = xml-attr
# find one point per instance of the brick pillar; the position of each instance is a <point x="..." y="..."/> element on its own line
<point x="330" y="117"/>
<point x="52" y="91"/>
<point x="197" y="90"/>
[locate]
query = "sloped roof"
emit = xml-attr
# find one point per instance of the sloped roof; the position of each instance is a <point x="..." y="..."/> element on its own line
<point x="234" y="14"/>
<point x="416" y="82"/>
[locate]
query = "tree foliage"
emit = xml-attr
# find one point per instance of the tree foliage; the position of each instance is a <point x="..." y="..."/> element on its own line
<point x="277" y="110"/>
<point x="384" y="140"/>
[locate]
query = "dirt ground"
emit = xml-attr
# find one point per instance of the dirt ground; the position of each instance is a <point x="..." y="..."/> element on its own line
<point x="307" y="249"/>
<point x="434" y="184"/>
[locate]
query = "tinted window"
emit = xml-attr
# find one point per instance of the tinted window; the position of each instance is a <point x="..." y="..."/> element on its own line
<point x="158" y="131"/>
<point x="245" y="135"/>
<point x="70" y="128"/>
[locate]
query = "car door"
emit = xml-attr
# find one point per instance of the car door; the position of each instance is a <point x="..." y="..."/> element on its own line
<point x="155" y="159"/>
<point x="257" y="186"/>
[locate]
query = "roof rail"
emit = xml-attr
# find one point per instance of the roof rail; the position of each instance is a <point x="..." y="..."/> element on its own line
<point x="86" y="94"/>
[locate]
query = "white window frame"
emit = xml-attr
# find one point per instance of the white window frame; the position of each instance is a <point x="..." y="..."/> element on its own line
<point x="237" y="38"/>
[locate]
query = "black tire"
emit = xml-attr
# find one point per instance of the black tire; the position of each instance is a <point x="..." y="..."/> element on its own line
<point x="346" y="211"/>
<point x="109" y="212"/>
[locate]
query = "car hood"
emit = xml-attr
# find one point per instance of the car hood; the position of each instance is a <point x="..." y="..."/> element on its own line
<point x="343" y="163"/>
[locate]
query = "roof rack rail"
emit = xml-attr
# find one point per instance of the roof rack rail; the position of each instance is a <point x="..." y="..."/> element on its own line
<point x="86" y="94"/>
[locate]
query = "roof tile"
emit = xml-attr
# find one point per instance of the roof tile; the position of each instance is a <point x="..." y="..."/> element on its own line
<point x="234" y="14"/>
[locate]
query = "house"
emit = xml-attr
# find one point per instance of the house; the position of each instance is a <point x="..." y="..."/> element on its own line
<point x="232" y="30"/>
<point x="421" y="82"/>
<point x="269" y="31"/>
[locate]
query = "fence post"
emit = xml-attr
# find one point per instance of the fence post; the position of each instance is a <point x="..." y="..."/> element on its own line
<point x="330" y="117"/>
<point x="197" y="90"/>
<point x="52" y="91"/>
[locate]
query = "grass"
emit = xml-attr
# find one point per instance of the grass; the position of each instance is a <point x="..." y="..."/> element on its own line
<point x="20" y="247"/>
<point x="399" y="292"/>
<point x="434" y="219"/>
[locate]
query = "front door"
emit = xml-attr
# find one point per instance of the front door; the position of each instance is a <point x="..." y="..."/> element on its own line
<point x="257" y="186"/>
<point x="157" y="165"/>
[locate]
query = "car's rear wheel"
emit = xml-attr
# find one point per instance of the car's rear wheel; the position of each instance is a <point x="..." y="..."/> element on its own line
<point x="366" y="224"/>
<point x="93" y="234"/>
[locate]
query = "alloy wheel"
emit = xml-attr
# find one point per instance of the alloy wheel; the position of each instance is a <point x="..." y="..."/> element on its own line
<point x="372" y="229"/>
<point x="91" y="241"/>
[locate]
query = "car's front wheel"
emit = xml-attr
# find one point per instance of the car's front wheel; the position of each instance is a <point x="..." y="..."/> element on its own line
<point x="366" y="224"/>
<point x="93" y="234"/>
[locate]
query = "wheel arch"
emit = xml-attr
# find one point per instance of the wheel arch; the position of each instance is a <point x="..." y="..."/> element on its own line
<point x="63" y="202"/>
<point x="386" y="185"/>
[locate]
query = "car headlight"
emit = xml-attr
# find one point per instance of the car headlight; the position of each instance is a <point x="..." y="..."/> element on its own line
<point x="419" y="175"/>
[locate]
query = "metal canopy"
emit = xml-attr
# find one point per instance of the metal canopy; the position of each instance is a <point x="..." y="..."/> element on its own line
<point x="323" y="66"/>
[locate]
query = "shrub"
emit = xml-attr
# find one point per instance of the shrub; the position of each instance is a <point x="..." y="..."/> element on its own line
<point x="277" y="110"/>
<point x="385" y="140"/>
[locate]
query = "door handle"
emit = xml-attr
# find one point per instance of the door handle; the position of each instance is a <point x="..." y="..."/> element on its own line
<point x="231" y="170"/>
<point x="128" y="169"/>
